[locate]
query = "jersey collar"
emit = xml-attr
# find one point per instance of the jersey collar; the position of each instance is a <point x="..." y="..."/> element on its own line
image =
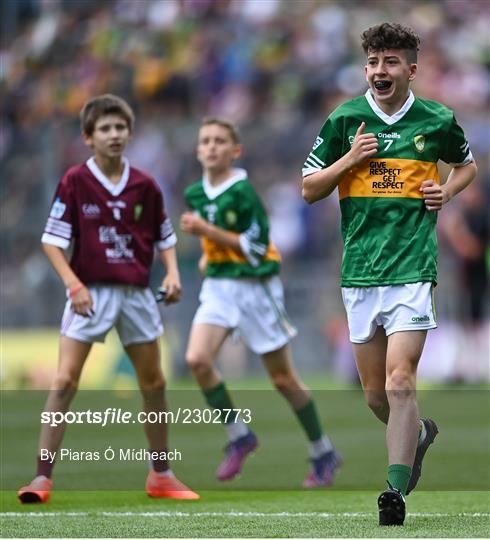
<point x="214" y="191"/>
<point x="390" y="120"/>
<point x="113" y="189"/>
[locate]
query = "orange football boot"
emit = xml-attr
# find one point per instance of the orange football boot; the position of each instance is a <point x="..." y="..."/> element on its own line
<point x="168" y="487"/>
<point x="38" y="491"/>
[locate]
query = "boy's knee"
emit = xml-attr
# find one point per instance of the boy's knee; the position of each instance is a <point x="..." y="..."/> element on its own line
<point x="377" y="402"/>
<point x="400" y="380"/>
<point x="198" y="363"/>
<point x="156" y="383"/>
<point x="400" y="384"/>
<point x="284" y="382"/>
<point x="64" y="384"/>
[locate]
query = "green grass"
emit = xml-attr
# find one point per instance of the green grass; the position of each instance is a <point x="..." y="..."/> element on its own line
<point x="458" y="461"/>
<point x="241" y="514"/>
<point x="452" y="499"/>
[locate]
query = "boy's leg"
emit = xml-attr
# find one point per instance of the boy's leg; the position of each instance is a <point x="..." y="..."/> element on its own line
<point x="371" y="366"/>
<point x="280" y="367"/>
<point x="145" y="358"/>
<point x="403" y="354"/>
<point x="72" y="356"/>
<point x="402" y="357"/>
<point x="325" y="460"/>
<point x="205" y="341"/>
<point x="204" y="344"/>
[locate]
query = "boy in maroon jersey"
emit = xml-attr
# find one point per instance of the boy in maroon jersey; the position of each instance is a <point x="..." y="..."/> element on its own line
<point x="115" y="217"/>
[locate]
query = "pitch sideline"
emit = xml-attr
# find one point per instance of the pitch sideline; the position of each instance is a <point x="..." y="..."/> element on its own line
<point x="235" y="514"/>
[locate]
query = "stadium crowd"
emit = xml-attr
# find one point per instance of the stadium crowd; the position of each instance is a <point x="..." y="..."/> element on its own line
<point x="276" y="67"/>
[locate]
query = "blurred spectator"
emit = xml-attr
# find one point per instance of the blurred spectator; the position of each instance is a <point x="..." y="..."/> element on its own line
<point x="466" y="229"/>
<point x="277" y="67"/>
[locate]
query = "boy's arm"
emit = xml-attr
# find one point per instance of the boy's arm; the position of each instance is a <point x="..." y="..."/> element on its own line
<point x="171" y="282"/>
<point x="81" y="300"/>
<point x="203" y="263"/>
<point x="435" y="195"/>
<point x="194" y="224"/>
<point x="320" y="184"/>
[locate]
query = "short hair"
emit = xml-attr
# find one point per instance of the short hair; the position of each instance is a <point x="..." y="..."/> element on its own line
<point x="102" y="105"/>
<point x="391" y="36"/>
<point x="232" y="128"/>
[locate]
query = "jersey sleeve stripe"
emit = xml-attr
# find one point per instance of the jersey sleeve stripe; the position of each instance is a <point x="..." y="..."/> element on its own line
<point x="316" y="159"/>
<point x="58" y="232"/>
<point x="254" y="251"/>
<point x="169" y="242"/>
<point x="312" y="163"/>
<point x="467" y="159"/>
<point x="55" y="241"/>
<point x="60" y="225"/>
<point x="306" y="171"/>
<point x="166" y="229"/>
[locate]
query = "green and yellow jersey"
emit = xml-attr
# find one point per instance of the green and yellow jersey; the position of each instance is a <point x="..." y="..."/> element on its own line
<point x="389" y="236"/>
<point x="235" y="206"/>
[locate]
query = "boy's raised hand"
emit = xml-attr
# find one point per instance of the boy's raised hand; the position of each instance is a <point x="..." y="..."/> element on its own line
<point x="193" y="224"/>
<point x="364" y="146"/>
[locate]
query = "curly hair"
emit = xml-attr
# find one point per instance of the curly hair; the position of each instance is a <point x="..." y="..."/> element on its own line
<point x="391" y="36"/>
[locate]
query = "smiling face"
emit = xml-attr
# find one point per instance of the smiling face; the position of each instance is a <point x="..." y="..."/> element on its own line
<point x="389" y="73"/>
<point x="216" y="148"/>
<point x="109" y="137"/>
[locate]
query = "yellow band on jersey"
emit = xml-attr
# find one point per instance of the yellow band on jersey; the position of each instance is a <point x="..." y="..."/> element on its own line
<point x="388" y="178"/>
<point x="218" y="253"/>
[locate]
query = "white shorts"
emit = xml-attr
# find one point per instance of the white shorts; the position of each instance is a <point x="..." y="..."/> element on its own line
<point x="132" y="311"/>
<point x="395" y="307"/>
<point x="254" y="307"/>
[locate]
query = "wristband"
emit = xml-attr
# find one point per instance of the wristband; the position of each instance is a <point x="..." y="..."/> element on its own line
<point x="74" y="289"/>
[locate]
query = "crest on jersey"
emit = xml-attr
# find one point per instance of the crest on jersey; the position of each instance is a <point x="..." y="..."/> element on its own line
<point x="231" y="217"/>
<point x="351" y="139"/>
<point x="419" y="141"/>
<point x="138" y="209"/>
<point x="58" y="209"/>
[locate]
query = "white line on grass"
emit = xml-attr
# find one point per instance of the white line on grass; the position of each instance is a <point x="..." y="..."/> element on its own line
<point x="233" y="514"/>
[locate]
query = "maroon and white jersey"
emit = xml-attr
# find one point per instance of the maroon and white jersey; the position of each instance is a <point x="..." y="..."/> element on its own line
<point x="114" y="227"/>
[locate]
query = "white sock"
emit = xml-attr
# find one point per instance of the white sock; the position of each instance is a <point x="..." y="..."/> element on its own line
<point x="320" y="447"/>
<point x="422" y="433"/>
<point x="236" y="429"/>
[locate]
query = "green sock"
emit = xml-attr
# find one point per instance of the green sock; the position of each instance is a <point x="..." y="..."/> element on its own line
<point x="219" y="398"/>
<point x="399" y="476"/>
<point x="308" y="418"/>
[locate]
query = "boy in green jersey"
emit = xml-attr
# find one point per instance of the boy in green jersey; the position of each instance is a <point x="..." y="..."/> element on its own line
<point x="242" y="291"/>
<point x="381" y="151"/>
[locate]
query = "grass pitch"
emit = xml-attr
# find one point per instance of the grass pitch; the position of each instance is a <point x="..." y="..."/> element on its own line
<point x="244" y="514"/>
<point x="106" y="498"/>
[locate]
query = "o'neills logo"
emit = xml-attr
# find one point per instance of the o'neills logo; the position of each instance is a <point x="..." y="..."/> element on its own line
<point x="424" y="318"/>
<point x="419" y="142"/>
